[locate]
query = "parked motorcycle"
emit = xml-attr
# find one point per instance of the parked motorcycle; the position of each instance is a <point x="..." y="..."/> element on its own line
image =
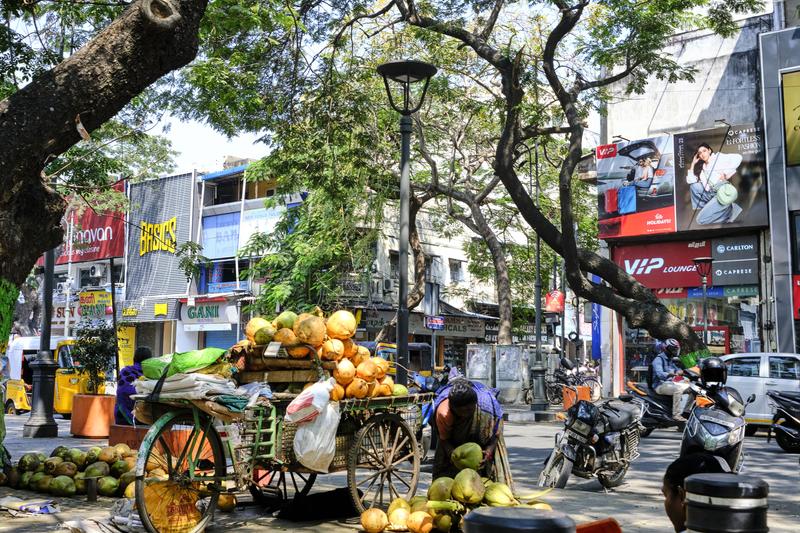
<point x="567" y="375"/>
<point x="716" y="424"/>
<point x="786" y="422"/>
<point x="599" y="440"/>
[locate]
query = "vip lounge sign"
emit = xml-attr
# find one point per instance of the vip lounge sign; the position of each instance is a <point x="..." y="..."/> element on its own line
<point x="663" y="265"/>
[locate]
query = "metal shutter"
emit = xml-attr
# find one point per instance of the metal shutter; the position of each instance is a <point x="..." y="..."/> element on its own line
<point x="221" y="339"/>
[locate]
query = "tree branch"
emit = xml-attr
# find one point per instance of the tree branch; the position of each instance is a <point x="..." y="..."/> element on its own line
<point x="487" y="30"/>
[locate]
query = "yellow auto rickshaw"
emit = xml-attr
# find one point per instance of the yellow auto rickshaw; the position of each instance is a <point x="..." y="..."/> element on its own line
<point x="18" y="376"/>
<point x="419" y="356"/>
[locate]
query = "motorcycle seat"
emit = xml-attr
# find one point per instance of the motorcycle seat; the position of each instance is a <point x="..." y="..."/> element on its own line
<point x="791" y="394"/>
<point x="620" y="415"/>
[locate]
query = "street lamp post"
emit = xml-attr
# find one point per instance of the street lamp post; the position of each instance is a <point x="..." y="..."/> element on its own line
<point x="41" y="423"/>
<point x="403" y="74"/>
<point x="703" y="266"/>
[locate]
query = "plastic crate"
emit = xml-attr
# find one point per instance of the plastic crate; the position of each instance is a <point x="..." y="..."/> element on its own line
<point x="571" y="398"/>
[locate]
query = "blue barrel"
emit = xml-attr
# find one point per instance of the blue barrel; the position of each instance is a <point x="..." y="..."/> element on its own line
<point x="726" y="503"/>
<point x="517" y="520"/>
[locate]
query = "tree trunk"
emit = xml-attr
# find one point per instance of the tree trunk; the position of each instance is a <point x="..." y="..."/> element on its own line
<point x="41" y="121"/>
<point x="27" y="313"/>
<point x="417" y="293"/>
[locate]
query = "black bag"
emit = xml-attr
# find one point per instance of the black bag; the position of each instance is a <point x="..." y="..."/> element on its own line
<point x="331" y="505"/>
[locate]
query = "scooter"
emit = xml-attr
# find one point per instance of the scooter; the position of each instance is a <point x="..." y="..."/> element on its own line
<point x="656" y="408"/>
<point x="717" y="425"/>
<point x="786" y="422"/>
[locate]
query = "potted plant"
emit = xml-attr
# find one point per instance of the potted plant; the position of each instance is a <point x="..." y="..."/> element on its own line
<point x="94" y="353"/>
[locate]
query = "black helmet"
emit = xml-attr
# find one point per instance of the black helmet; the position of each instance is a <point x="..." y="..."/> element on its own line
<point x="672" y="348"/>
<point x="713" y="371"/>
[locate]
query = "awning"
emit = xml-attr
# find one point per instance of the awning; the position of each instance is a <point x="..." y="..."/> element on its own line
<point x="224" y="173"/>
<point x="450" y="310"/>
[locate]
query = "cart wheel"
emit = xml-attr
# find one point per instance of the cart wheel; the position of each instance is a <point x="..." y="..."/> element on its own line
<point x="383" y="464"/>
<point x="189" y="453"/>
<point x="274" y="489"/>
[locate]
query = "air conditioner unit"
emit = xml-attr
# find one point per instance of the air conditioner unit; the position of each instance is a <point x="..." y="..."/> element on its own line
<point x="388" y="285"/>
<point x="97" y="271"/>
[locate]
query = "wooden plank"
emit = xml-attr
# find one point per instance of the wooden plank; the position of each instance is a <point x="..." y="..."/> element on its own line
<point x="280" y="376"/>
<point x="285" y="363"/>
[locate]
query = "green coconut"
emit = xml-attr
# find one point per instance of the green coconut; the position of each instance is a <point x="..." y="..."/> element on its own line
<point x="51" y="464"/>
<point x="468" y="487"/>
<point x="107" y="486"/>
<point x="66" y="469"/>
<point x="98" y="469"/>
<point x="80" y="483"/>
<point x="93" y="455"/>
<point x="62" y="486"/>
<point x="467" y="455"/>
<point x="29" y="462"/>
<point x="62" y="452"/>
<point x="119" y="468"/>
<point x="440" y="490"/>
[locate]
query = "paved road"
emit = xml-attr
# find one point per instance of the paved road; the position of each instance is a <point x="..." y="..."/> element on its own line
<point x="637" y="504"/>
<point x="529" y="445"/>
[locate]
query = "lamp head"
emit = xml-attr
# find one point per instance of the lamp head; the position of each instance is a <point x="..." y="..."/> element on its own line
<point x="703" y="265"/>
<point x="404" y="74"/>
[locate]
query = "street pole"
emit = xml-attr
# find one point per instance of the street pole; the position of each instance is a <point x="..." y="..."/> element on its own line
<point x="563" y="310"/>
<point x="114" y="315"/>
<point x="538" y="283"/>
<point x="405" y="195"/>
<point x="41" y="423"/>
<point x="705" y="310"/>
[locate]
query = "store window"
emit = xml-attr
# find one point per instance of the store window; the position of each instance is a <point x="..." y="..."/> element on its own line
<point x="220" y="276"/>
<point x="784" y="368"/>
<point x="87" y="280"/>
<point x="227" y="191"/>
<point x="117" y="274"/>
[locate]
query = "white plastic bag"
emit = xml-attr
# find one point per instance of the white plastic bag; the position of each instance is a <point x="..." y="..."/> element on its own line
<point x="315" y="442"/>
<point x="310" y="402"/>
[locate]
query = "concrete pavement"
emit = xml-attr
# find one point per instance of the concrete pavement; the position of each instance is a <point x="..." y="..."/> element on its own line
<point x="637" y="504"/>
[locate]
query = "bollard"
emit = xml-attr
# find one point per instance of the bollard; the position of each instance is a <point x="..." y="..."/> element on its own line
<point x="726" y="503"/>
<point x="517" y="520"/>
<point x="91" y="489"/>
<point x="538" y="383"/>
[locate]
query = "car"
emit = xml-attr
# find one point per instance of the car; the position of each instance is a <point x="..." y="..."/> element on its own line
<point x="756" y="373"/>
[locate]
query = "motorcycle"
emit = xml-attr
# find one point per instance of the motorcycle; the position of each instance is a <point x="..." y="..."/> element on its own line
<point x="656" y="408"/>
<point x="599" y="440"/>
<point x="717" y="425"/>
<point x="786" y="422"/>
<point x="567" y="374"/>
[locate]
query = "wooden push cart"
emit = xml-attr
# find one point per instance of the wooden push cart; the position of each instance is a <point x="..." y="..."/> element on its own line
<point x="190" y="452"/>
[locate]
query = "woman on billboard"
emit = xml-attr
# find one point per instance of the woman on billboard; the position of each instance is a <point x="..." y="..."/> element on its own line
<point x="710" y="188"/>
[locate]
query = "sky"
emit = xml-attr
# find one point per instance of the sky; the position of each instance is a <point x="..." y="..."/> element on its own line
<point x="202" y="148"/>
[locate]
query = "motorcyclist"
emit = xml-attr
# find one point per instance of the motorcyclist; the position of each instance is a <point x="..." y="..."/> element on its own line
<point x="664" y="371"/>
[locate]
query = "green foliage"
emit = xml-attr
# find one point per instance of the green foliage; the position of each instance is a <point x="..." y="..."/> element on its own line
<point x="191" y="259"/>
<point x="95" y="350"/>
<point x="8" y="301"/>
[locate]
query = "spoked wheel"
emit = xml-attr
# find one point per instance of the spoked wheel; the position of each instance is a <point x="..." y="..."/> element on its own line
<point x="274" y="489"/>
<point x="180" y="461"/>
<point x="383" y="463"/>
<point x="556" y="472"/>
<point x="609" y="480"/>
<point x="554" y="393"/>
<point x="595" y="389"/>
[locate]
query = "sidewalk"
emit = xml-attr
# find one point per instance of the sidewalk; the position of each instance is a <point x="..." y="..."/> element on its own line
<point x="17" y="446"/>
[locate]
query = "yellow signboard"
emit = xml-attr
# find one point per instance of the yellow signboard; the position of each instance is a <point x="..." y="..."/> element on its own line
<point x="126" y="341"/>
<point x="160" y="309"/>
<point x="790" y="83"/>
<point x="155" y="237"/>
<point x="94" y="303"/>
<point x="130" y="312"/>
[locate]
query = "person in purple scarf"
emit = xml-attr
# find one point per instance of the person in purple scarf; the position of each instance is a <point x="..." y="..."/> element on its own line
<point x="123" y="413"/>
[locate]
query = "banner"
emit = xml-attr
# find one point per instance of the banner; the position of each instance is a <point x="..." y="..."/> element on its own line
<point x="95" y="304"/>
<point x="694" y="181"/>
<point x="635" y="182"/>
<point x="126" y="344"/>
<point x="597" y="310"/>
<point x="664" y="264"/>
<point x="790" y="85"/>
<point x="554" y="302"/>
<point x="721" y="179"/>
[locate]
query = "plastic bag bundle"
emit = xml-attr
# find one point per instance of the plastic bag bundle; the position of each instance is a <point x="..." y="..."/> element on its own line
<point x="310" y="403"/>
<point x="315" y="442"/>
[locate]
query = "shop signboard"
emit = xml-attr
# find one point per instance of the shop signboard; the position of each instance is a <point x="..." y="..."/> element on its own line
<point x="161" y="221"/>
<point x="126" y="344"/>
<point x="94" y="304"/>
<point x="709" y="179"/>
<point x="221" y="235"/>
<point x="434" y="322"/>
<point x="665" y="264"/>
<point x="454" y="326"/>
<point x="735" y="260"/>
<point x="258" y="221"/>
<point x="208" y="315"/>
<point x="796" y="296"/>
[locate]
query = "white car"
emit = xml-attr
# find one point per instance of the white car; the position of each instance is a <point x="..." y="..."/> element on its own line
<point x="756" y="373"/>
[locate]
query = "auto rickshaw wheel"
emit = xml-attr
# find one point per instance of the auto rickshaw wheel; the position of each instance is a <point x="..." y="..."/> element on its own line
<point x="10" y="409"/>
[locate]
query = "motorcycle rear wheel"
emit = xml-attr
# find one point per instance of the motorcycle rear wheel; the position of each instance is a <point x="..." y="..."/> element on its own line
<point x="556" y="472"/>
<point x="554" y="393"/>
<point x="786" y="443"/>
<point x="614" y="480"/>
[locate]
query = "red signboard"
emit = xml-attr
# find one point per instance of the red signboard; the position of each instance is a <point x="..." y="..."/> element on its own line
<point x="660" y="220"/>
<point x="95" y="236"/>
<point x="554" y="301"/>
<point x="606" y="150"/>
<point x="796" y="296"/>
<point x="663" y="265"/>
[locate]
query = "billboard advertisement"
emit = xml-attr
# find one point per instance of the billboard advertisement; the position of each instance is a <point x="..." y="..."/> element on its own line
<point x="160" y="222"/>
<point x="790" y="83"/>
<point x="721" y="179"/>
<point x="708" y="179"/>
<point x="635" y="184"/>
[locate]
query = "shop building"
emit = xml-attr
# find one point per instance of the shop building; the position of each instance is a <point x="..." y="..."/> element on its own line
<point x="689" y="174"/>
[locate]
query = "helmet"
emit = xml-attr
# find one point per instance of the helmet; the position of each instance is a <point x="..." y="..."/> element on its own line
<point x="713" y="371"/>
<point x="672" y="348"/>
